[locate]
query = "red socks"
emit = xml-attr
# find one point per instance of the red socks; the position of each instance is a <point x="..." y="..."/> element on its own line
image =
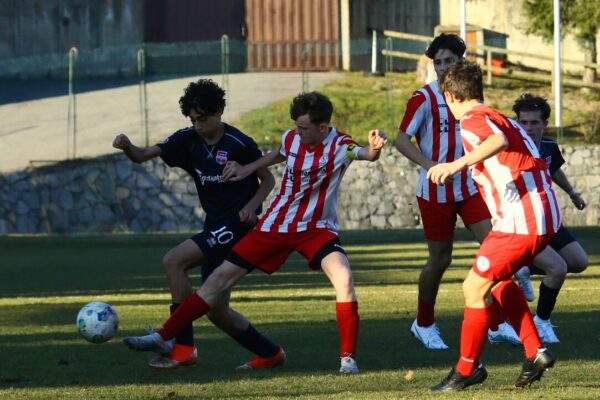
<point x="425" y="313"/>
<point x="347" y="321"/>
<point x="513" y="303"/>
<point x="472" y="337"/>
<point x="190" y="309"/>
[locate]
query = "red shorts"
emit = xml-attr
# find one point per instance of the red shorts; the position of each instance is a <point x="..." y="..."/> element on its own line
<point x="439" y="219"/>
<point x="502" y="254"/>
<point x="269" y="250"/>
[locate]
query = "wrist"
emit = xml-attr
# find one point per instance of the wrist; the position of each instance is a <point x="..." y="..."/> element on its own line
<point x="572" y="193"/>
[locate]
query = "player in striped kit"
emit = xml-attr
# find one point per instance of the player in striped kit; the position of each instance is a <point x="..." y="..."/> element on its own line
<point x="516" y="186"/>
<point x="428" y="119"/>
<point x="301" y="217"/>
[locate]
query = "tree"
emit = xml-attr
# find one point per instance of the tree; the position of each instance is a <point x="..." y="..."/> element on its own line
<point x="578" y="17"/>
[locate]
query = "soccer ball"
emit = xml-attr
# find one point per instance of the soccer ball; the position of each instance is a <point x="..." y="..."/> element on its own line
<point x="97" y="322"/>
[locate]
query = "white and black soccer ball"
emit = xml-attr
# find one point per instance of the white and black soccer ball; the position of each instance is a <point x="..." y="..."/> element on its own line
<point x="97" y="322"/>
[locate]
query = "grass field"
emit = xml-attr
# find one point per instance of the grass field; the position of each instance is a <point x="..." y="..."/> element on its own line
<point x="45" y="280"/>
<point x="363" y="103"/>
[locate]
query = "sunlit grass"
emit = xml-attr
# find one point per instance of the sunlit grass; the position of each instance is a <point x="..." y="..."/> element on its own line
<point x="44" y="282"/>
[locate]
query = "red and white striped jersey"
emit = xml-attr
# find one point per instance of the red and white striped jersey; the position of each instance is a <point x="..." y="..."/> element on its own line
<point x="310" y="183"/>
<point x="437" y="132"/>
<point x="515" y="183"/>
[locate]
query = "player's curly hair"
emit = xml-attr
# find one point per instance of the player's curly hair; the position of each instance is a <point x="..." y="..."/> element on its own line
<point x="529" y="102"/>
<point x="448" y="41"/>
<point x="464" y="80"/>
<point x="315" y="104"/>
<point x="204" y="95"/>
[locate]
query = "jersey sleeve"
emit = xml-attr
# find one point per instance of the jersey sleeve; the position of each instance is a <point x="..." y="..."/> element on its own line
<point x="415" y="114"/>
<point x="556" y="157"/>
<point x="174" y="150"/>
<point x="476" y="128"/>
<point x="250" y="152"/>
<point x="286" y="139"/>
<point x="350" y="147"/>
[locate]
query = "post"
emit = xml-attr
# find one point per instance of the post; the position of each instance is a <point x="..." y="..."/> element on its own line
<point x="557" y="74"/>
<point x="463" y="20"/>
<point x="305" y="53"/>
<point x="72" y="113"/>
<point x="488" y="60"/>
<point x="141" y="58"/>
<point x="225" y="67"/>
<point x="374" y="52"/>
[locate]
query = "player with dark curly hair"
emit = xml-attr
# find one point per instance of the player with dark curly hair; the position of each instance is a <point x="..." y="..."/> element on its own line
<point x="203" y="150"/>
<point x="301" y="217"/>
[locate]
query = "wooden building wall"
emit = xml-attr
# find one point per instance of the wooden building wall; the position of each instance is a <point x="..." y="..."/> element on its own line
<point x="285" y="34"/>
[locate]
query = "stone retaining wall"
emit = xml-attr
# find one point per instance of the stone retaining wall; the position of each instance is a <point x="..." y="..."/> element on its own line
<point x="111" y="193"/>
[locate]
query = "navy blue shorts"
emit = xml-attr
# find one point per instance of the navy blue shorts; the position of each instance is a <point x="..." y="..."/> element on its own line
<point x="561" y="238"/>
<point x="217" y="239"/>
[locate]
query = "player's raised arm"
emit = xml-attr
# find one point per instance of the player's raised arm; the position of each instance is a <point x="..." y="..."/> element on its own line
<point x="234" y="171"/>
<point x="405" y="146"/>
<point x="267" y="182"/>
<point x="135" y="154"/>
<point x="377" y="139"/>
<point x="492" y="145"/>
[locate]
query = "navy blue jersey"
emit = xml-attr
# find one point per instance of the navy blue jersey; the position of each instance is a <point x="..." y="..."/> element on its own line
<point x="551" y="154"/>
<point x="188" y="150"/>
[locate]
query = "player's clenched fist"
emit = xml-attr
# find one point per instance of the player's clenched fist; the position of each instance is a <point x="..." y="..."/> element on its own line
<point x="121" y="142"/>
<point x="234" y="172"/>
<point x="441" y="173"/>
<point x="377" y="139"/>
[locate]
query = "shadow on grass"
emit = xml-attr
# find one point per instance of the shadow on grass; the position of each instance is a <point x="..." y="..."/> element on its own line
<point x="62" y="359"/>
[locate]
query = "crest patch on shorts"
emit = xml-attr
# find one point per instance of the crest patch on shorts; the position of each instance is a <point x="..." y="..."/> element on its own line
<point x="482" y="263"/>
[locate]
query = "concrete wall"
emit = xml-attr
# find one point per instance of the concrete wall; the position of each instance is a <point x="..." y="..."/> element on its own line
<point x="37" y="27"/>
<point x="110" y="193"/>
<point x="507" y="16"/>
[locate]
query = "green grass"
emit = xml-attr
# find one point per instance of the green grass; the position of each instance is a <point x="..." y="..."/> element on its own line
<point x="44" y="280"/>
<point x="363" y="103"/>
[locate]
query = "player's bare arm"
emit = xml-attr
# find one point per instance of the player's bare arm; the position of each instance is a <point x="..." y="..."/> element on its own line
<point x="135" y="154"/>
<point x="409" y="150"/>
<point x="492" y="145"/>
<point x="562" y="181"/>
<point x="267" y="182"/>
<point x="234" y="172"/>
<point x="377" y="139"/>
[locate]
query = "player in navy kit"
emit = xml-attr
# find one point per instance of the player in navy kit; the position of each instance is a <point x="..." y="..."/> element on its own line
<point x="563" y="254"/>
<point x="203" y="150"/>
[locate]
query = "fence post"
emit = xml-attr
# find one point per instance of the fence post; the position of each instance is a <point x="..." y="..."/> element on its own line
<point x="72" y="113"/>
<point x="305" y="53"/>
<point x="225" y="67"/>
<point x="141" y="59"/>
<point x="488" y="60"/>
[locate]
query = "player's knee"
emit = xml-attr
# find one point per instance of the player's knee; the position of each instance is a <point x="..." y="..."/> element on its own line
<point x="557" y="270"/>
<point x="170" y="262"/>
<point x="437" y="263"/>
<point x="579" y="263"/>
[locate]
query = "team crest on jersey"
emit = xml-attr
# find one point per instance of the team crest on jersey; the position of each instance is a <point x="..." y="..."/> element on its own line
<point x="221" y="157"/>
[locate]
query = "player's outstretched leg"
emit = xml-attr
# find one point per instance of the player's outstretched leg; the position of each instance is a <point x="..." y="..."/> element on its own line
<point x="150" y="342"/>
<point x="258" y="362"/>
<point x="533" y="367"/>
